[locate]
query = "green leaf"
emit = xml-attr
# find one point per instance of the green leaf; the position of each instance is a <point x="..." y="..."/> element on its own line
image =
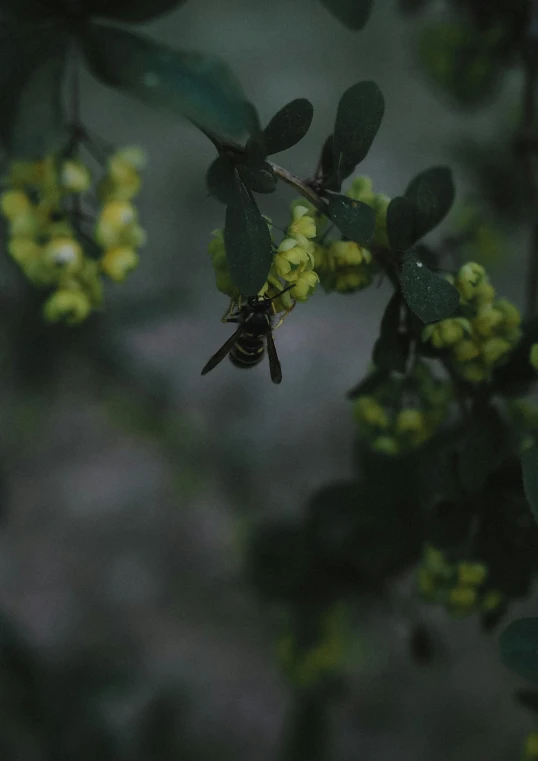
<point x="482" y="445"/>
<point x="352" y="13"/>
<point x="222" y="180"/>
<point x="400" y="223"/>
<point x="529" y="464"/>
<point x="356" y="220"/>
<point x="260" y="179"/>
<point x="306" y="731"/>
<point x="432" y="192"/>
<point x="32" y="65"/>
<point x="429" y="296"/>
<point x="133" y="11"/>
<point x="288" y="126"/>
<point x="249" y="248"/>
<point x="198" y="86"/>
<point x="519" y="647"/>
<point x="359" y="115"/>
<point x="391" y="350"/>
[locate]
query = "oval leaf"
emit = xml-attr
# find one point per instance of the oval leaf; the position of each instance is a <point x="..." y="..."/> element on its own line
<point x="432" y="193"/>
<point x="222" y="181"/>
<point x="356" y="220"/>
<point x="200" y="87"/>
<point x="288" y="126"/>
<point x="134" y="11"/>
<point x="429" y="296"/>
<point x="249" y="248"/>
<point x="32" y="65"/>
<point x="260" y="179"/>
<point x="358" y="118"/>
<point x="352" y="13"/>
<point x="529" y="464"/>
<point x="400" y="223"/>
<point x="519" y="647"/>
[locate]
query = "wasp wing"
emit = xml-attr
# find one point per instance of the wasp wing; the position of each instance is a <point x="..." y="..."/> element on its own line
<point x="222" y="352"/>
<point x="274" y="362"/>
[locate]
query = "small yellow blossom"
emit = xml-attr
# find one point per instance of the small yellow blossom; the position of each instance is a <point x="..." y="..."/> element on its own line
<point x="304" y="286"/>
<point x="466" y="350"/>
<point x="362" y="189"/>
<point x="491" y="600"/>
<point x="117" y="262"/>
<point x="75" y="177"/>
<point x="487" y="319"/>
<point x="469" y="277"/>
<point x="291" y="260"/>
<point x="64" y="254"/>
<point x="368" y="410"/>
<point x="349" y="254"/>
<point x="531" y="747"/>
<point x="352" y="280"/>
<point x="471" y="574"/>
<point x="303" y="224"/>
<point x="495" y="349"/>
<point x="447" y="332"/>
<point x="511" y="314"/>
<point x="462" y="599"/>
<point x="386" y="445"/>
<point x="71" y="306"/>
<point x="13" y="203"/>
<point x="474" y="372"/>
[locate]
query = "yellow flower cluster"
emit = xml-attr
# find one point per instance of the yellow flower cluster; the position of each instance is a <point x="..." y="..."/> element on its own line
<point x="344" y="266"/>
<point x="530" y="749"/>
<point x="362" y="190"/>
<point x="293" y="263"/>
<point x="391" y="427"/>
<point x="460" y="587"/>
<point x="48" y="233"/>
<point x="485" y="333"/>
<point x="307" y="666"/>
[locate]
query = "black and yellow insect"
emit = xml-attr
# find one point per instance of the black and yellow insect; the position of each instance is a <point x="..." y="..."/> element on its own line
<point x="246" y="346"/>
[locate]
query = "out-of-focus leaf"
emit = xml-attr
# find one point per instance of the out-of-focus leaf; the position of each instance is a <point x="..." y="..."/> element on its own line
<point x="249" y="248"/>
<point x="429" y="296"/>
<point x="352" y="13"/>
<point x="306" y="735"/>
<point x="358" y="118"/>
<point x="32" y="10"/>
<point x="391" y="350"/>
<point x="529" y="463"/>
<point x="482" y="445"/>
<point x="288" y="126"/>
<point x="198" y="86"/>
<point x="432" y="193"/>
<point x="356" y="220"/>
<point x="32" y="64"/>
<point x="528" y="698"/>
<point x="133" y="11"/>
<point x="260" y="179"/>
<point x="519" y="648"/>
<point x="222" y="180"/>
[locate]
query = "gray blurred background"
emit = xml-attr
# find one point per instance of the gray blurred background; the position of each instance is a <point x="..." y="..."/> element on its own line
<point x="124" y="538"/>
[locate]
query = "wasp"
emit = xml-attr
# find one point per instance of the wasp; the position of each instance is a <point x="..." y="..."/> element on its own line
<point x="246" y="346"/>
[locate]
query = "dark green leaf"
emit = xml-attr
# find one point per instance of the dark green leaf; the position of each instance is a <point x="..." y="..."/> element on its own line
<point x="432" y="192"/>
<point x="359" y="115"/>
<point x="352" y="13"/>
<point x="368" y="384"/>
<point x="198" y="86"/>
<point x="288" y="126"/>
<point x="128" y="10"/>
<point x="481" y="447"/>
<point x="32" y="64"/>
<point x="400" y="223"/>
<point x="222" y="180"/>
<point x="32" y="10"/>
<point x="356" y="220"/>
<point x="306" y="733"/>
<point x="259" y="179"/>
<point x="391" y="350"/>
<point x="529" y="463"/>
<point x="429" y="296"/>
<point x="249" y="248"/>
<point x="519" y="647"/>
<point x="528" y="698"/>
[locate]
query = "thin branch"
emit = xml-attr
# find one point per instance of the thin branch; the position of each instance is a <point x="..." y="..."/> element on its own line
<point x="300" y="185"/>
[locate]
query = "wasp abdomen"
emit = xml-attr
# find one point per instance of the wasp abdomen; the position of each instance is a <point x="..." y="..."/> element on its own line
<point x="248" y="350"/>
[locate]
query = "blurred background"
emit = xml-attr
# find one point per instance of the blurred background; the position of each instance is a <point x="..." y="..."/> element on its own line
<point x="130" y="485"/>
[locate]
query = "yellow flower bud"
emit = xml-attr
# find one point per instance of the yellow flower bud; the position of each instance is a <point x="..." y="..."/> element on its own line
<point x="132" y="155"/>
<point x="447" y="332"/>
<point x="410" y="421"/>
<point x="24" y="225"/>
<point x="511" y="314"/>
<point x="427" y="582"/>
<point x="362" y="189"/>
<point x="217" y="249"/>
<point x="381" y="204"/>
<point x="462" y="599"/>
<point x="24" y="251"/>
<point x="114" y="222"/>
<point x="386" y="445"/>
<point x="291" y="260"/>
<point x="471" y="574"/>
<point x="352" y="280"/>
<point x="117" y="262"/>
<point x="487" y="319"/>
<point x="322" y="260"/>
<point x="64" y="255"/>
<point x="71" y="306"/>
<point x="303" y="224"/>
<point x="469" y="277"/>
<point x="75" y="176"/>
<point x="14" y="203"/>
<point x="465" y="350"/>
<point x="474" y="372"/>
<point x="484" y="293"/>
<point x="435" y="561"/>
<point x="348" y="254"/>
<point x="531" y="746"/>
<point x="305" y="285"/>
<point x="368" y="410"/>
<point x="495" y="349"/>
<point x="533" y="356"/>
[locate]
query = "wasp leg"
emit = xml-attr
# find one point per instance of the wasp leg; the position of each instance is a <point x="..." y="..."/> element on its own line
<point x="286" y="313"/>
<point x="232" y="311"/>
